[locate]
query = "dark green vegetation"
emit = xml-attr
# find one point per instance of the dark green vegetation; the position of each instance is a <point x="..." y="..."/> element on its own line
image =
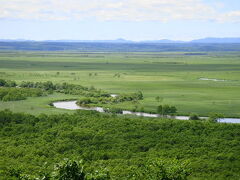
<point x="94" y="94"/>
<point x="7" y="83"/>
<point x="107" y="99"/>
<point x="65" y="88"/>
<point x="10" y="92"/>
<point x="15" y="94"/>
<point x="89" y="96"/>
<point x="166" y="110"/>
<point x="194" y="117"/>
<point x="121" y="145"/>
<point x="76" y="170"/>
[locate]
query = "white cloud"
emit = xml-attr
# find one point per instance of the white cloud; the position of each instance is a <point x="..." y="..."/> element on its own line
<point x="127" y="10"/>
<point x="233" y="16"/>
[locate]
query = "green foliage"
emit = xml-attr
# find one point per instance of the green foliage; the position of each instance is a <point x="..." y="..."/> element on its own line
<point x="139" y="95"/>
<point x="129" y="97"/>
<point x="95" y="95"/>
<point x="65" y="88"/>
<point x="10" y="83"/>
<point x="69" y="170"/>
<point x="85" y="101"/>
<point x="162" y="170"/>
<point x="15" y="94"/>
<point x="7" y="83"/>
<point x="65" y="170"/>
<point x="2" y="82"/>
<point x="127" y="147"/>
<point x="194" y="117"/>
<point x="166" y="110"/>
<point x="98" y="175"/>
<point x="48" y="85"/>
<point x="107" y="100"/>
<point x="114" y="110"/>
<point x="213" y="117"/>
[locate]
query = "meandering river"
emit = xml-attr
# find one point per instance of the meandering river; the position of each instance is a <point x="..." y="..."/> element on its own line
<point x="71" y="105"/>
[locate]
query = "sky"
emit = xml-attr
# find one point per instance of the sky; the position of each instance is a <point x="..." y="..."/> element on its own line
<point x="112" y="19"/>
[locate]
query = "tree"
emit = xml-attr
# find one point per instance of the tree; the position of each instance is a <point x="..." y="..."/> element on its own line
<point x="193" y="117"/>
<point x="2" y="82"/>
<point x="74" y="170"/>
<point x="139" y="95"/>
<point x="166" y="110"/>
<point x="172" y="110"/>
<point x="214" y="117"/>
<point x="160" y="109"/>
<point x="10" y="84"/>
<point x="48" y="86"/>
<point x="69" y="170"/>
<point x="142" y="109"/>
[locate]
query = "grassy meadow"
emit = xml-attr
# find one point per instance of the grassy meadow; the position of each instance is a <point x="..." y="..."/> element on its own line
<point x="173" y="76"/>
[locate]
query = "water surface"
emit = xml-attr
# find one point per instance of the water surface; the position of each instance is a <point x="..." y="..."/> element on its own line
<point x="209" y="79"/>
<point x="71" y="105"/>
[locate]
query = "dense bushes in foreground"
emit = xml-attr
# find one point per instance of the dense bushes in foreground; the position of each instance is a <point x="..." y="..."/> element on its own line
<point x="123" y="145"/>
<point x="75" y="170"/>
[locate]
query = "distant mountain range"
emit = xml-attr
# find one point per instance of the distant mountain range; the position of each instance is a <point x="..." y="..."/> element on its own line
<point x="217" y="40"/>
<point x="162" y="41"/>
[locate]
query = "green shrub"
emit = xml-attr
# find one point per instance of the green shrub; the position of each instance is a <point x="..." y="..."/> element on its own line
<point x="15" y="94"/>
<point x="69" y="170"/>
<point x="166" y="110"/>
<point x="213" y="117"/>
<point x="194" y="117"/>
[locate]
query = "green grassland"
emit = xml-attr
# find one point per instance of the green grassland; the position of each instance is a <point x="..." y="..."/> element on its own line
<point x="173" y="76"/>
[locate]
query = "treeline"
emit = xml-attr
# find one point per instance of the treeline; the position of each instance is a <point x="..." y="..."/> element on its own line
<point x="166" y="110"/>
<point x="129" y="148"/>
<point x="91" y="94"/>
<point x="86" y="101"/>
<point x="15" y="94"/>
<point x="94" y="95"/>
<point x="64" y="88"/>
<point x="7" y="83"/>
<point x="9" y="91"/>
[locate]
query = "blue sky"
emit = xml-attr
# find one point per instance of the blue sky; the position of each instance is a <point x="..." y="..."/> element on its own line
<point x="112" y="19"/>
